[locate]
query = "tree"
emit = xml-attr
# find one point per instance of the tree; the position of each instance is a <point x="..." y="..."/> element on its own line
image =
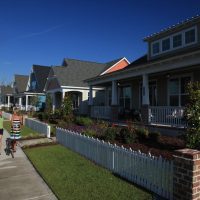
<point x="66" y="108"/>
<point x="48" y="105"/>
<point x="192" y="114"/>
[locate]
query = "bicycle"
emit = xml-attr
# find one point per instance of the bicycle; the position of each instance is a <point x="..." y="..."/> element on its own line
<point x="9" y="147"/>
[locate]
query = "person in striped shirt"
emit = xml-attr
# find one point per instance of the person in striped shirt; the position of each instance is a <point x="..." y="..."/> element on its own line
<point x="15" y="133"/>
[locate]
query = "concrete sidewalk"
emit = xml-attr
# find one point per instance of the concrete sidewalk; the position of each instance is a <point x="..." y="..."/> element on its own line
<point x="18" y="178"/>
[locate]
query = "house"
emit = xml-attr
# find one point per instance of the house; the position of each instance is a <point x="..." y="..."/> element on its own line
<point x="19" y="87"/>
<point x="154" y="84"/>
<point x="35" y="87"/>
<point x="6" y="96"/>
<point x="68" y="79"/>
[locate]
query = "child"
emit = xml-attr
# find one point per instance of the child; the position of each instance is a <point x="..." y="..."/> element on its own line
<point x="15" y="134"/>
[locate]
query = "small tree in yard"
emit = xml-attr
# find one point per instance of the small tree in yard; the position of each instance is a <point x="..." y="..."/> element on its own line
<point x="192" y="114"/>
<point x="48" y="105"/>
<point x="66" y="108"/>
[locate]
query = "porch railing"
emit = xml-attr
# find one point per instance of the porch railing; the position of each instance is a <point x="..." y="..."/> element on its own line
<point x="101" y="112"/>
<point x="169" y="115"/>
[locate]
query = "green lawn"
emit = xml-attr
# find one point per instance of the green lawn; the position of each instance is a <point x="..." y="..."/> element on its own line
<point x="72" y="177"/>
<point x="25" y="131"/>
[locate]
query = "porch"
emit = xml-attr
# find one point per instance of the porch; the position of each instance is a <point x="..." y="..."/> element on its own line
<point x="155" y="99"/>
<point x="162" y="116"/>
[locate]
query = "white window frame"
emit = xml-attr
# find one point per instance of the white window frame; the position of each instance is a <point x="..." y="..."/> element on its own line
<point x="171" y="41"/>
<point x="179" y="89"/>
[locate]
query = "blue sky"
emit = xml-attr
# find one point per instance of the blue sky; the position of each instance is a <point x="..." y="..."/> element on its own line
<point x="46" y="31"/>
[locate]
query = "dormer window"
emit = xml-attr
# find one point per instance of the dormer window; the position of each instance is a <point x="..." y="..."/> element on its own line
<point x="156" y="48"/>
<point x="190" y="36"/>
<point x="166" y="44"/>
<point x="177" y="40"/>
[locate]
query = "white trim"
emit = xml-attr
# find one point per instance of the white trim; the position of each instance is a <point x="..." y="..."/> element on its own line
<point x="115" y="65"/>
<point x="182" y="33"/>
<point x="81" y="88"/>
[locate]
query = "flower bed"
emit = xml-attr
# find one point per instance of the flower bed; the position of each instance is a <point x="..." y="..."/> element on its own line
<point x="130" y="136"/>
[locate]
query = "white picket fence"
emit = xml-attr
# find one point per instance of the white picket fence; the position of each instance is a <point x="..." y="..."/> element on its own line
<point x="7" y="115"/>
<point x="153" y="173"/>
<point x="38" y="126"/>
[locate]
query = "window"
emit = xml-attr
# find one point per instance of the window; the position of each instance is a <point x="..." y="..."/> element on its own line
<point x="33" y="85"/>
<point x="177" y="40"/>
<point x="190" y="36"/>
<point x="166" y="44"/>
<point x="156" y="48"/>
<point x="177" y="91"/>
<point x="125" y="97"/>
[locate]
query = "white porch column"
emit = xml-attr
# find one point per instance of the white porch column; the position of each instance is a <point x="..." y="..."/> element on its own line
<point x="8" y="101"/>
<point x="53" y="101"/>
<point x="26" y="103"/>
<point x="145" y="89"/>
<point x="63" y="95"/>
<point x="20" y="102"/>
<point x="90" y="102"/>
<point x="114" y="93"/>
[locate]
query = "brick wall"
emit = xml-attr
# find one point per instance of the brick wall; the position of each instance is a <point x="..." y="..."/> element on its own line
<point x="186" y="177"/>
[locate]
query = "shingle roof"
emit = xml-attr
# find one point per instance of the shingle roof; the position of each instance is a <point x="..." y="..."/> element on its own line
<point x="41" y="74"/>
<point x="76" y="71"/>
<point x="21" y="82"/>
<point x="6" y="90"/>
<point x="171" y="28"/>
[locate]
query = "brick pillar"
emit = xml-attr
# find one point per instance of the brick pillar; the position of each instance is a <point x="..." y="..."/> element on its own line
<point x="114" y="113"/>
<point x="186" y="176"/>
<point x="145" y="114"/>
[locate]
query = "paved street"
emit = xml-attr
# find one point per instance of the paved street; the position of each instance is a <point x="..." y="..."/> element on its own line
<point x="19" y="180"/>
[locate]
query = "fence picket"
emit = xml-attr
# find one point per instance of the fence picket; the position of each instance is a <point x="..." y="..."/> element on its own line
<point x="146" y="170"/>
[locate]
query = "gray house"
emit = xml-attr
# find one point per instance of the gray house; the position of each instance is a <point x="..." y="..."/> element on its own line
<point x="155" y="84"/>
<point x="6" y="96"/>
<point x="68" y="79"/>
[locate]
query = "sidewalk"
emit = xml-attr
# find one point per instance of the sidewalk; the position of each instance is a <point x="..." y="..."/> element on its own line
<point x="18" y="178"/>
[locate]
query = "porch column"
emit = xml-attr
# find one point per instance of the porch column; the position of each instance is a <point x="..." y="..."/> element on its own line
<point x="63" y="95"/>
<point x="8" y="101"/>
<point x="26" y="108"/>
<point x="53" y="102"/>
<point x="145" y="99"/>
<point x="114" y="93"/>
<point x="20" y="102"/>
<point x="114" y="102"/>
<point x="90" y="100"/>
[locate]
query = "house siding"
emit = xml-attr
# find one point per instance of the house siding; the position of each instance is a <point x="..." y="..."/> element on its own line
<point x="122" y="64"/>
<point x="135" y="94"/>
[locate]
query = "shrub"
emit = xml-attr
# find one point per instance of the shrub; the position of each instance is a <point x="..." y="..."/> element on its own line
<point x="66" y="109"/>
<point x="192" y="114"/>
<point x="83" y="121"/>
<point x="154" y="136"/>
<point x="89" y="132"/>
<point x="142" y="133"/>
<point x="110" y="134"/>
<point x="127" y="135"/>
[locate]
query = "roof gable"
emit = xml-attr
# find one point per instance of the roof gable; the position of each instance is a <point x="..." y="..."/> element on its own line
<point x="20" y="83"/>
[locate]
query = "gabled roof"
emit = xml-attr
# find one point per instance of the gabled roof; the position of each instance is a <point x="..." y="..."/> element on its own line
<point x="74" y="72"/>
<point x="6" y="89"/>
<point x="21" y="83"/>
<point x="41" y="74"/>
<point x="174" y="27"/>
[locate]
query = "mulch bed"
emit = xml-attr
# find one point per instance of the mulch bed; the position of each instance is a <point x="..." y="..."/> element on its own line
<point x="164" y="147"/>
